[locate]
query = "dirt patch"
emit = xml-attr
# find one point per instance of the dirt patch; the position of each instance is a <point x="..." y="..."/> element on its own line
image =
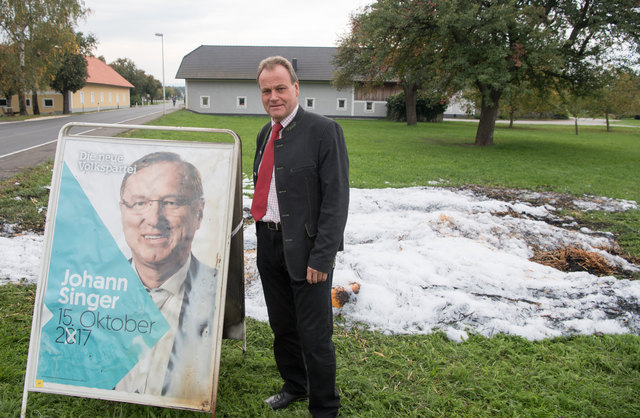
<point x="552" y="200"/>
<point x="567" y="259"/>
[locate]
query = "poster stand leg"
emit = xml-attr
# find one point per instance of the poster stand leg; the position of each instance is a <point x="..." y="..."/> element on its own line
<point x="23" y="409"/>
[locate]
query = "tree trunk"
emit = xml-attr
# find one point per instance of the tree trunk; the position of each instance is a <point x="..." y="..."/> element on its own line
<point x="410" y="99"/>
<point x="606" y="115"/>
<point x="22" y="102"/>
<point x="488" y="115"/>
<point x="65" y="103"/>
<point x="34" y="103"/>
<point x="576" y="124"/>
<point x="511" y="114"/>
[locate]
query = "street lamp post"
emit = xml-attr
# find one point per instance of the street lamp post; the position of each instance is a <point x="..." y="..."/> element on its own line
<point x="163" y="93"/>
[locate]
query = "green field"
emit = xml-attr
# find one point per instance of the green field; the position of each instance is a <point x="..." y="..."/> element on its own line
<point x="413" y="376"/>
<point x="389" y="154"/>
<point x="633" y="122"/>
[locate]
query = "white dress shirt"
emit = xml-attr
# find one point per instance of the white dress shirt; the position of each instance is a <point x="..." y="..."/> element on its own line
<point x="149" y="374"/>
<point x="273" y="210"/>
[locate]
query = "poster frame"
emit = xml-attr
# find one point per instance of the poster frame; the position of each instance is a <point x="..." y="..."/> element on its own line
<point x="232" y="225"/>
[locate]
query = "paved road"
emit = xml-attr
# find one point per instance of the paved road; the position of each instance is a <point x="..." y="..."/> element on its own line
<point x="31" y="142"/>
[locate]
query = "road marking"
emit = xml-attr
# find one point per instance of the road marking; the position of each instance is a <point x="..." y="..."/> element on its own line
<point x="79" y="133"/>
<point x="27" y="149"/>
<point x="122" y="121"/>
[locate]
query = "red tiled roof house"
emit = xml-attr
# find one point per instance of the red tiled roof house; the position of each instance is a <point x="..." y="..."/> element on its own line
<point x="105" y="89"/>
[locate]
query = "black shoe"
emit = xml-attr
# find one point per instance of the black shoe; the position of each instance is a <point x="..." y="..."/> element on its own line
<point x="283" y="399"/>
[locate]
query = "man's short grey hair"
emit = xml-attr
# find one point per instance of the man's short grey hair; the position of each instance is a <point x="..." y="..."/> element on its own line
<point x="190" y="176"/>
<point x="271" y="62"/>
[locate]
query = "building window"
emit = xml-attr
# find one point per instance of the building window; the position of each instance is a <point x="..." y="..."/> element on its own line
<point x="110" y="97"/>
<point x="28" y="102"/>
<point x="310" y="103"/>
<point x="368" y="107"/>
<point x="124" y="100"/>
<point x="82" y="97"/>
<point x="93" y="97"/>
<point x="241" y="102"/>
<point x="101" y="97"/>
<point x="342" y="104"/>
<point x="204" y="102"/>
<point x="3" y="102"/>
<point x="47" y="102"/>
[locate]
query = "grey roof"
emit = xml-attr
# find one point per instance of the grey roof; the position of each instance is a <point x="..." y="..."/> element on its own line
<point x="241" y="62"/>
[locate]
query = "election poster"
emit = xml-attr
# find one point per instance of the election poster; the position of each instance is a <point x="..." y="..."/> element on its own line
<point x="130" y="303"/>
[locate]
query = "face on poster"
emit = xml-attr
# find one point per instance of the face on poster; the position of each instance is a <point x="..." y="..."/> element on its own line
<point x="137" y="250"/>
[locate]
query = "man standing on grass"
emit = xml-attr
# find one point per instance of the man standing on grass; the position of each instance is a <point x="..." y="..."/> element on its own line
<point x="301" y="177"/>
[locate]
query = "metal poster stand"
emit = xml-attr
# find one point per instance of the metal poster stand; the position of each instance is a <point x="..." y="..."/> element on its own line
<point x="84" y="217"/>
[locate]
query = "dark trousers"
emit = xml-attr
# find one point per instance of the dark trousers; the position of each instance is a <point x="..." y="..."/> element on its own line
<point x="301" y="318"/>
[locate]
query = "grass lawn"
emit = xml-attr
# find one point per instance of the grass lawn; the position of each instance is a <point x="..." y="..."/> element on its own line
<point x="381" y="375"/>
<point x="378" y="375"/>
<point x="389" y="154"/>
<point x="634" y="122"/>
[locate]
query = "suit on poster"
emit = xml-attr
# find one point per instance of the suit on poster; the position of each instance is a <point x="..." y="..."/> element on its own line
<point x="162" y="205"/>
<point x="189" y="359"/>
<point x="297" y="249"/>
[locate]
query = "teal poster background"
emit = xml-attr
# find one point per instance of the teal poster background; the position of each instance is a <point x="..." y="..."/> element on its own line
<point x="102" y="319"/>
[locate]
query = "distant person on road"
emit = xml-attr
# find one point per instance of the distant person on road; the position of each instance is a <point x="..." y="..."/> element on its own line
<point x="174" y="101"/>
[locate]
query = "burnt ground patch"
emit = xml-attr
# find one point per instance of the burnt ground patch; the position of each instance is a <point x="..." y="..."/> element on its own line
<point x="595" y="214"/>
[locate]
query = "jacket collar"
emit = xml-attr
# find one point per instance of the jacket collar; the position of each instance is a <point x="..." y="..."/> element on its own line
<point x="295" y="121"/>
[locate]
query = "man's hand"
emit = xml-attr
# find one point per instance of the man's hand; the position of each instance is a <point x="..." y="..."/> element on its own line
<point x="315" y="276"/>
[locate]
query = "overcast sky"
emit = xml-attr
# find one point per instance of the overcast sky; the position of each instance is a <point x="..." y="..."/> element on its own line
<point x="126" y="29"/>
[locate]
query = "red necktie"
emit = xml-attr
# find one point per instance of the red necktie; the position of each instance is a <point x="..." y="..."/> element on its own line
<point x="259" y="203"/>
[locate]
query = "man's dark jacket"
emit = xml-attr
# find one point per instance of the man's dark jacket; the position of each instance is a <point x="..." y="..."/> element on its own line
<point x="312" y="184"/>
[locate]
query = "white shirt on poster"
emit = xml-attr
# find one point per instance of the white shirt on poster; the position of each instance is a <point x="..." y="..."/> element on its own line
<point x="149" y="374"/>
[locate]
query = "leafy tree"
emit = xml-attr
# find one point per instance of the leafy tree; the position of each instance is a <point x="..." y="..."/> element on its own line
<point x="153" y="88"/>
<point x="71" y="74"/>
<point x="494" y="46"/>
<point x="524" y="101"/>
<point x="71" y="77"/>
<point x="619" y="95"/>
<point x="486" y="46"/>
<point x="512" y="103"/>
<point x="126" y="68"/>
<point x="8" y="71"/>
<point x="391" y="41"/>
<point x="145" y="85"/>
<point x="40" y="31"/>
<point x="573" y="100"/>
<point x="624" y="93"/>
<point x="169" y="92"/>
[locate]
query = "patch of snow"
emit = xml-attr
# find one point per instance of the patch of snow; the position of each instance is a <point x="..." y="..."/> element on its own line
<point x="433" y="259"/>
